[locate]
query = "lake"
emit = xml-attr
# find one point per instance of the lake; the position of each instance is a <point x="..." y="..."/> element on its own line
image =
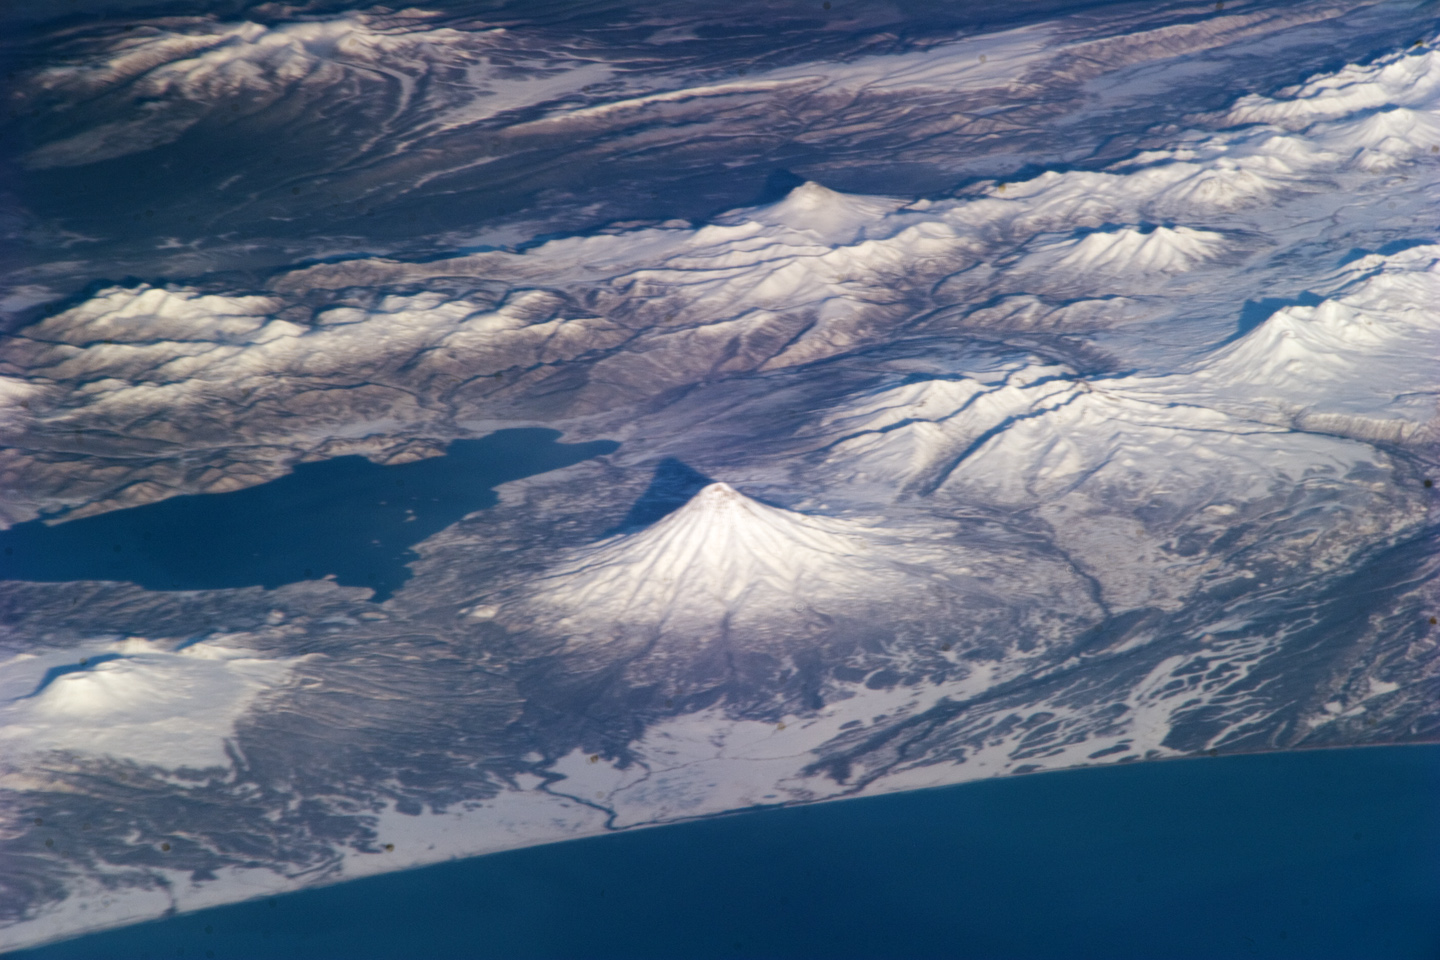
<point x="345" y="517"/>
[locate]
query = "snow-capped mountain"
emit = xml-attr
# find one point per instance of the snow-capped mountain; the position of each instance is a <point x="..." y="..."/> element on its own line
<point x="1076" y="403"/>
<point x="719" y="552"/>
<point x="1129" y="252"/>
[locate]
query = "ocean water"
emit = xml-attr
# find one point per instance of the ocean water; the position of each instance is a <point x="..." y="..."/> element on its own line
<point x="1306" y="855"/>
<point x="345" y="517"/>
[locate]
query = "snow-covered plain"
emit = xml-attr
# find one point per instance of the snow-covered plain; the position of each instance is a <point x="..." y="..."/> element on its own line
<point x="1113" y="447"/>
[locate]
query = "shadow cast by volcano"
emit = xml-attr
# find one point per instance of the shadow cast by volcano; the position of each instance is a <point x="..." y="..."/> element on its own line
<point x="671" y="487"/>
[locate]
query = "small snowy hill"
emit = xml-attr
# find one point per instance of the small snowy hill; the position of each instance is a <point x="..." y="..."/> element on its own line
<point x="832" y="216"/>
<point x="132" y="699"/>
<point x="1117" y="449"/>
<point x="902" y="436"/>
<point x="1402" y="78"/>
<point x="1224" y="185"/>
<point x="1365" y="354"/>
<point x="1397" y="130"/>
<point x="1129" y="252"/>
<point x="1139" y="471"/>
<point x="1033" y="437"/>
<point x="718" y="552"/>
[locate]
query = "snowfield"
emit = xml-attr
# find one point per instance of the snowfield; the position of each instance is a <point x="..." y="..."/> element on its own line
<point x="1117" y="446"/>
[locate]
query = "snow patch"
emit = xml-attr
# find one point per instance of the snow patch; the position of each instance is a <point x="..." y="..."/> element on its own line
<point x="1400" y="79"/>
<point x="133" y="700"/>
<point x="1128" y="252"/>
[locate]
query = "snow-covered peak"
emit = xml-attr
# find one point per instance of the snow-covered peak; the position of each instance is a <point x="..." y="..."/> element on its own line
<point x="1367" y="351"/>
<point x="717" y="493"/>
<point x="1415" y="129"/>
<point x="832" y="216"/>
<point x="722" y="549"/>
<point x="1224" y="185"/>
<point x="147" y="314"/>
<point x="133" y="700"/>
<point x="1399" y="79"/>
<point x="1131" y="251"/>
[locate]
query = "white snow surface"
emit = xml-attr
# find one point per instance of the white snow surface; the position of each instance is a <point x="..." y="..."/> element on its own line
<point x="720" y="551"/>
<point x="1096" y="444"/>
<point x="198" y="68"/>
<point x="1130" y="252"/>
<point x="149" y="705"/>
<point x="807" y="278"/>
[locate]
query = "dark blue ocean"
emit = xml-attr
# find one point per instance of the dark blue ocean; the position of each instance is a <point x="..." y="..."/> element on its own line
<point x="1309" y="856"/>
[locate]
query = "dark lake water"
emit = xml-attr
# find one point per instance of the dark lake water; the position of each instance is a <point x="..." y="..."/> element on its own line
<point x="345" y="517"/>
<point x="1312" y="855"/>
